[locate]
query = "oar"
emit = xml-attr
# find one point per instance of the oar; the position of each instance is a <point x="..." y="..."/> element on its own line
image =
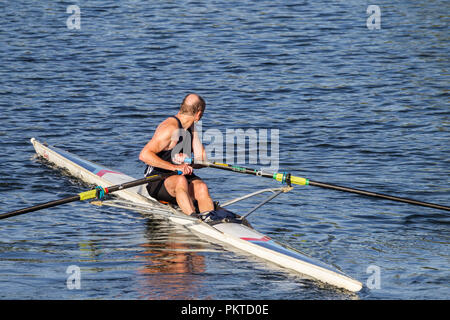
<point x="289" y="179"/>
<point x="91" y="194"/>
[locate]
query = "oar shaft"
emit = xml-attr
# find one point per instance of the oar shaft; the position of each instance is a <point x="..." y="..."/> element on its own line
<point x="378" y="195"/>
<point x="305" y="181"/>
<point x="224" y="166"/>
<point x="39" y="207"/>
<point x="91" y="194"/>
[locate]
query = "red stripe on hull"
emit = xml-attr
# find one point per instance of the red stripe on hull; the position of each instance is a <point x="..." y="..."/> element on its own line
<point x="102" y="172"/>
<point x="265" y="238"/>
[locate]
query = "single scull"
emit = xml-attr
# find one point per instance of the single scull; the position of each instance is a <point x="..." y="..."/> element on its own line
<point x="230" y="233"/>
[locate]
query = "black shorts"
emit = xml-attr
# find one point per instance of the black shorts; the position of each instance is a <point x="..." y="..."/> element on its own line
<point x="158" y="191"/>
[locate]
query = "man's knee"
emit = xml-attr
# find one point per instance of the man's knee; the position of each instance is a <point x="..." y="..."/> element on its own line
<point x="200" y="189"/>
<point x="180" y="183"/>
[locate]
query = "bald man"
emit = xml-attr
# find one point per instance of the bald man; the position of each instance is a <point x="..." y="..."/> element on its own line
<point x="174" y="139"/>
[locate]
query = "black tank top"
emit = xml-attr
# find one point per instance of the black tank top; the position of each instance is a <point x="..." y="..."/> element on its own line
<point x="181" y="147"/>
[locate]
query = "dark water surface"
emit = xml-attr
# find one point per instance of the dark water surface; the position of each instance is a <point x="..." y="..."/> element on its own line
<point x="353" y="106"/>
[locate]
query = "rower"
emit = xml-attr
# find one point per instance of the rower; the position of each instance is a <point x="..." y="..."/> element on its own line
<point x="172" y="142"/>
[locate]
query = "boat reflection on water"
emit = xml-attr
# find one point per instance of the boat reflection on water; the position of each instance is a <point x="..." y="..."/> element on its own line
<point x="173" y="262"/>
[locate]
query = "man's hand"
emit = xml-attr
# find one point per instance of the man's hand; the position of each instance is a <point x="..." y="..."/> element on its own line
<point x="185" y="169"/>
<point x="179" y="158"/>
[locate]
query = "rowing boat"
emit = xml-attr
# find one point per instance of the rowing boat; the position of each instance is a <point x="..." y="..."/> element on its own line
<point x="230" y="234"/>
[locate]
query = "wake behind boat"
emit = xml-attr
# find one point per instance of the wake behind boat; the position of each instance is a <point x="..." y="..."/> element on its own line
<point x="232" y="233"/>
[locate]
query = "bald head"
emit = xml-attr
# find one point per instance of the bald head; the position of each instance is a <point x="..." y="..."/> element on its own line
<point x="192" y="104"/>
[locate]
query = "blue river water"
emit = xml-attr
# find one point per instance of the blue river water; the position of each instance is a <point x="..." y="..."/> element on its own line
<point x="352" y="105"/>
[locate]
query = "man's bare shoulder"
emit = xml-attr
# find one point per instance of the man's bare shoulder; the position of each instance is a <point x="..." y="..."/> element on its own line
<point x="166" y="127"/>
<point x="171" y="121"/>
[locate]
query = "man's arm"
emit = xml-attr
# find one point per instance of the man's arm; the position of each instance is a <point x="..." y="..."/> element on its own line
<point x="197" y="146"/>
<point x="160" y="141"/>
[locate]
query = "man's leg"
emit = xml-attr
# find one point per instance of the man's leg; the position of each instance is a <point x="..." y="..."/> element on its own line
<point x="199" y="191"/>
<point x="177" y="187"/>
